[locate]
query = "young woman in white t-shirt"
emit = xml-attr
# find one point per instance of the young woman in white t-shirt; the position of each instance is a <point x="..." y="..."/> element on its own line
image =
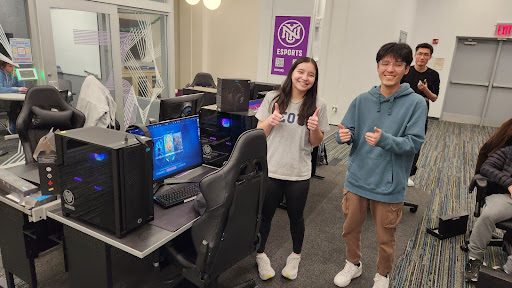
<point x="294" y="120"/>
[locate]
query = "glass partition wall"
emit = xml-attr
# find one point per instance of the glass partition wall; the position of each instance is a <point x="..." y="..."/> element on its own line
<point x="124" y="46"/>
<point x="144" y="58"/>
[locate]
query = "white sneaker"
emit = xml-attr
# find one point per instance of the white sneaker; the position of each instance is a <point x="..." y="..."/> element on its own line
<point x="380" y="281"/>
<point x="292" y="267"/>
<point x="351" y="271"/>
<point x="410" y="183"/>
<point x="265" y="270"/>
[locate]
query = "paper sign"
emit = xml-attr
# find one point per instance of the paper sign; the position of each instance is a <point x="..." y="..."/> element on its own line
<point x="21" y="51"/>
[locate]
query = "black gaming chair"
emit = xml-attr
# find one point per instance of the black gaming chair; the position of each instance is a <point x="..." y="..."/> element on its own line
<point x="229" y="229"/>
<point x="43" y="109"/>
<point x="204" y="80"/>
<point x="481" y="183"/>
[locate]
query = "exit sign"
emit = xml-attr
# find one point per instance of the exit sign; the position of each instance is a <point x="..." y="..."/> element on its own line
<point x="503" y="30"/>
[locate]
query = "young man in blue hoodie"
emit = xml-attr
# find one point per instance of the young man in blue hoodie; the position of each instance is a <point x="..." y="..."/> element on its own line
<point x="386" y="127"/>
<point x="9" y="84"/>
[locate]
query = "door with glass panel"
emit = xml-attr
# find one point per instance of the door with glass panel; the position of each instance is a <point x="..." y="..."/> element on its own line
<point x="78" y="40"/>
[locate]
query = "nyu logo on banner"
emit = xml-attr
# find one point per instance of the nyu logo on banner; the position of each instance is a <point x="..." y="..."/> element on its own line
<point x="290" y="42"/>
<point x="291" y="33"/>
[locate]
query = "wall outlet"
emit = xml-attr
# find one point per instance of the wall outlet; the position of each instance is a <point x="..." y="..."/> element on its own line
<point x="334" y="109"/>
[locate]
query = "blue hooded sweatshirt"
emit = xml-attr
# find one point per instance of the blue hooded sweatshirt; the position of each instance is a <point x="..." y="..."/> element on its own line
<point x="8" y="81"/>
<point x="380" y="172"/>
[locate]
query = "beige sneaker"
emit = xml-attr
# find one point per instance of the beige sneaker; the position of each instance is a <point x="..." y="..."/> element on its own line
<point x="348" y="273"/>
<point x="292" y="267"/>
<point x="380" y="281"/>
<point x="265" y="270"/>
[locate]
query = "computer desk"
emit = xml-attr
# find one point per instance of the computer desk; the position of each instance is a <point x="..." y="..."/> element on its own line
<point x="11" y="97"/>
<point x="89" y="249"/>
<point x="20" y="239"/>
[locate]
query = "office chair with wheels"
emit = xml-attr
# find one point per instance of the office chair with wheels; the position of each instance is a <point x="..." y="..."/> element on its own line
<point x="66" y="90"/>
<point x="43" y="109"/>
<point x="229" y="229"/>
<point x="204" y="80"/>
<point x="414" y="207"/>
<point x="481" y="184"/>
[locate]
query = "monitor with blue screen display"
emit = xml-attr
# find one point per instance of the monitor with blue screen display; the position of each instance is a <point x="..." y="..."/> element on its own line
<point x="177" y="146"/>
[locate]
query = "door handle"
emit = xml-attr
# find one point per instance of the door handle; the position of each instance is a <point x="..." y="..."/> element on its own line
<point x="470" y="83"/>
<point x="500" y="86"/>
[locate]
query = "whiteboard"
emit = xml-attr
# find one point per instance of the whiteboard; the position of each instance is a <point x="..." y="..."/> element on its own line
<point x="71" y="57"/>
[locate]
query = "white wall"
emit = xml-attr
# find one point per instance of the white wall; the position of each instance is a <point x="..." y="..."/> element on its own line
<point x="356" y="34"/>
<point x="446" y="20"/>
<point x="222" y="42"/>
<point x="345" y="46"/>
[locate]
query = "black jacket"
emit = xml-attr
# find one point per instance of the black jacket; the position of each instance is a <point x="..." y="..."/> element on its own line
<point x="498" y="168"/>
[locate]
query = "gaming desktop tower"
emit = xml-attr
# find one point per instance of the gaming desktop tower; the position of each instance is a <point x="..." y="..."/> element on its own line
<point x="233" y="95"/>
<point x="219" y="132"/>
<point x="105" y="177"/>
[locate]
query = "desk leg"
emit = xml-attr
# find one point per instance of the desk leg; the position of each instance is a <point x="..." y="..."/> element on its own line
<point x="16" y="251"/>
<point x="10" y="279"/>
<point x="89" y="260"/>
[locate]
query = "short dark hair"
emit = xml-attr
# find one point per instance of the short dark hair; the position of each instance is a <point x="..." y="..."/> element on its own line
<point x="425" y="45"/>
<point x="399" y="51"/>
<point x="3" y="64"/>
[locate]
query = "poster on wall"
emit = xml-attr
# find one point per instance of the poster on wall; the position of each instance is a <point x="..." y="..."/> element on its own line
<point x="21" y="51"/>
<point x="291" y="35"/>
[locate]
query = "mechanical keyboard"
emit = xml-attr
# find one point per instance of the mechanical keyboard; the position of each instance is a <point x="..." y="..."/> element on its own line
<point x="176" y="197"/>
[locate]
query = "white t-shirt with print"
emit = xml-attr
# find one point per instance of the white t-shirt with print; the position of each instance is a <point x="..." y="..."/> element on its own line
<point x="288" y="147"/>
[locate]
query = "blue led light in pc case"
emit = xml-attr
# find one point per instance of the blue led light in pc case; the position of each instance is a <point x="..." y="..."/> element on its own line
<point x="177" y="146"/>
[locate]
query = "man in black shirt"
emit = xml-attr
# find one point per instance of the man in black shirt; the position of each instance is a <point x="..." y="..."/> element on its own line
<point x="425" y="82"/>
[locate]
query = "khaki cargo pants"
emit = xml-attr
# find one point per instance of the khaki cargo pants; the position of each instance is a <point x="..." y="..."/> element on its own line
<point x="386" y="217"/>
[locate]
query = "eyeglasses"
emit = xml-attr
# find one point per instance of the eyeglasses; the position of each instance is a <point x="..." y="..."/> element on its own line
<point x="399" y="66"/>
<point x="423" y="54"/>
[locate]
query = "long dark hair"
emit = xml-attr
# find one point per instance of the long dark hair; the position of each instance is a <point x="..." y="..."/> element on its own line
<point x="308" y="106"/>
<point x="502" y="137"/>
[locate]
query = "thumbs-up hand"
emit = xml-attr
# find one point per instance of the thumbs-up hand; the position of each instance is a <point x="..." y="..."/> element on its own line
<point x="276" y="117"/>
<point x="373" y="137"/>
<point x="344" y="133"/>
<point x="313" y="120"/>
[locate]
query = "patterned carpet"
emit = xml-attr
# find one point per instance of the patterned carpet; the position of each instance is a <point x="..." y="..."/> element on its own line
<point x="445" y="167"/>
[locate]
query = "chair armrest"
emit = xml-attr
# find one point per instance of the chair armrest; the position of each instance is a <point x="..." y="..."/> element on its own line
<point x="182" y="261"/>
<point x="481" y="193"/>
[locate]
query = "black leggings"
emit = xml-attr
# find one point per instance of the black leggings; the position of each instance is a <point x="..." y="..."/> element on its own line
<point x="296" y="193"/>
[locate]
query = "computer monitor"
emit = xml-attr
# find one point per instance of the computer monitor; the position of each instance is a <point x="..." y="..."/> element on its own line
<point x="182" y="106"/>
<point x="177" y="146"/>
<point x="26" y="74"/>
<point x="257" y="87"/>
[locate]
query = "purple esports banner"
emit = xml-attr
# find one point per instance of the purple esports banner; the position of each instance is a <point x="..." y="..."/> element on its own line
<point x="290" y="42"/>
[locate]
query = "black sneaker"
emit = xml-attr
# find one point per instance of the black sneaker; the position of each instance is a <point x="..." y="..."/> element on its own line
<point x="472" y="269"/>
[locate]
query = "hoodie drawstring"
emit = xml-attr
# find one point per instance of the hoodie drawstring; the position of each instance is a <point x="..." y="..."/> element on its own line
<point x="390" y="105"/>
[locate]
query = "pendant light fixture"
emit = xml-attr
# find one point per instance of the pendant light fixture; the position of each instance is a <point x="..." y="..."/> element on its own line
<point x="192" y="2"/>
<point x="212" y="4"/>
